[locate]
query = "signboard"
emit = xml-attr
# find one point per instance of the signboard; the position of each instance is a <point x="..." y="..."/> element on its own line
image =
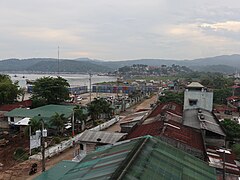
<point x="35" y="142"/>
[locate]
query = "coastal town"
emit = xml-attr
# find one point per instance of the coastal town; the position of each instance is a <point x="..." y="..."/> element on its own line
<point x="166" y="126"/>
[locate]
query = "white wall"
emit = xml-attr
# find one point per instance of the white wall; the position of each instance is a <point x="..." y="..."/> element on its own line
<point x="204" y="99"/>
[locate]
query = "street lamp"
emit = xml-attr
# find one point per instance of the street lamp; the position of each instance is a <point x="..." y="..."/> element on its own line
<point x="42" y="134"/>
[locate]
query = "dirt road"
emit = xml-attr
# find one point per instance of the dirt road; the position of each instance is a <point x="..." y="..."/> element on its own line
<point x="21" y="170"/>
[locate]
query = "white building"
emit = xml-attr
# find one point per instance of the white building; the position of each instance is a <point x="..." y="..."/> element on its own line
<point x="197" y="96"/>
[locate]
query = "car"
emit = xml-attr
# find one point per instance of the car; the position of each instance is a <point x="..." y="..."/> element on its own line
<point x="79" y="98"/>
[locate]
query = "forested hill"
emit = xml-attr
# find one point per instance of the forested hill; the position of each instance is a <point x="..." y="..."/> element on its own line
<point x="226" y="63"/>
<point x="51" y="65"/>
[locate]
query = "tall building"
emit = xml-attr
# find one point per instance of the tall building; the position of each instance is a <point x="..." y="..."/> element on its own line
<point x="197" y="96"/>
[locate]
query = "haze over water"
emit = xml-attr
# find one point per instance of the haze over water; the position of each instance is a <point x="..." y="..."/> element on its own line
<point x="73" y="79"/>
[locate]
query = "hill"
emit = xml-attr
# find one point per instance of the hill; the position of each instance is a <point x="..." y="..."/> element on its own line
<point x="225" y="63"/>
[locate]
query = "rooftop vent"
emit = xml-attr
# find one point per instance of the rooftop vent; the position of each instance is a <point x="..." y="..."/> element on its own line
<point x="202" y="116"/>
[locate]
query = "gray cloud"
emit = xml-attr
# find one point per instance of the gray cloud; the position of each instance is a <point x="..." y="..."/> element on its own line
<point x="115" y="30"/>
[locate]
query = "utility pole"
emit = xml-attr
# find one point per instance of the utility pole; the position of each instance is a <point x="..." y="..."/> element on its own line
<point x="73" y="124"/>
<point x="90" y="86"/>
<point x="43" y="134"/>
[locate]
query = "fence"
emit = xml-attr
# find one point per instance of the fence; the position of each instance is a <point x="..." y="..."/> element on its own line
<point x="51" y="151"/>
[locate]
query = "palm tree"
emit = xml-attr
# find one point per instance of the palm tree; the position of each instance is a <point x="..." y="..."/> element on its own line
<point x="98" y="107"/>
<point x="79" y="117"/>
<point x="58" y="120"/>
<point x="34" y="124"/>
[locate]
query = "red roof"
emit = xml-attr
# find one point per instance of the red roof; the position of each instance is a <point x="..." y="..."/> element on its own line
<point x="235" y="87"/>
<point x="9" y="107"/>
<point x="170" y="107"/>
<point x="172" y="130"/>
<point x="153" y="129"/>
<point x="230" y="158"/>
<point x="184" y="134"/>
<point x="232" y="98"/>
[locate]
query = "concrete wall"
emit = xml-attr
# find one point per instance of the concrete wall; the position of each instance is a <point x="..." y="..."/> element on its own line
<point x="204" y="99"/>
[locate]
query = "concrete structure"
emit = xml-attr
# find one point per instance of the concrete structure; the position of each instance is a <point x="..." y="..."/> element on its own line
<point x="197" y="96"/>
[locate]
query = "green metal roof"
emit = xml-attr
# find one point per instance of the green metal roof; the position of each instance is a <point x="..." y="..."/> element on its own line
<point x="142" y="158"/>
<point x="46" y="111"/>
<point x="158" y="160"/>
<point x="57" y="171"/>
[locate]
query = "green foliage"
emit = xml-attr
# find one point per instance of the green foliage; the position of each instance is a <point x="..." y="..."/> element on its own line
<point x="59" y="121"/>
<point x="236" y="150"/>
<point x="220" y="95"/>
<point x="8" y="90"/>
<point x="38" y="102"/>
<point x="216" y="81"/>
<point x="52" y="90"/>
<point x="20" y="154"/>
<point x="98" y="107"/>
<point x="232" y="129"/>
<point x="56" y="140"/>
<point x="172" y="97"/>
<point x="35" y="124"/>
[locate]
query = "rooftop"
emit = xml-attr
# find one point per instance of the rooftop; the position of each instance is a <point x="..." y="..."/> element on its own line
<point x="163" y="107"/>
<point x="9" y="107"/>
<point x="172" y="130"/>
<point x="195" y="85"/>
<point x="202" y="119"/>
<point x="142" y="158"/>
<point x="45" y="111"/>
<point x="100" y="137"/>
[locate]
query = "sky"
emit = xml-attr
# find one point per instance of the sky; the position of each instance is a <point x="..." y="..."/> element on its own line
<point x="119" y="29"/>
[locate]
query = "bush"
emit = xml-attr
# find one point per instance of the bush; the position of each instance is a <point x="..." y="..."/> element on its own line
<point x="236" y="150"/>
<point x="20" y="154"/>
<point x="56" y="140"/>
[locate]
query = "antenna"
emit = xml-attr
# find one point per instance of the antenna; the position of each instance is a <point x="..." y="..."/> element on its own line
<point x="58" y="60"/>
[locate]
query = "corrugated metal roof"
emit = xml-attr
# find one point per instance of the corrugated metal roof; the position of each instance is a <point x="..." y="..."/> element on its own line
<point x="100" y="137"/>
<point x="158" y="160"/>
<point x="202" y="120"/>
<point x="195" y="85"/>
<point x="142" y="158"/>
<point x="46" y="111"/>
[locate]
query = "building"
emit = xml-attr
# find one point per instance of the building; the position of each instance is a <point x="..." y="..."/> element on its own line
<point x="142" y="158"/>
<point x="197" y="96"/>
<point x="207" y="123"/>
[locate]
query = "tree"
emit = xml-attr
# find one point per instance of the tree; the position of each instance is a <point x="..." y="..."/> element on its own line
<point x="59" y="121"/>
<point x="79" y="117"/>
<point x="172" y="97"/>
<point x="35" y="124"/>
<point x="8" y="90"/>
<point x="98" y="107"/>
<point x="232" y="129"/>
<point x="220" y="95"/>
<point x="52" y="90"/>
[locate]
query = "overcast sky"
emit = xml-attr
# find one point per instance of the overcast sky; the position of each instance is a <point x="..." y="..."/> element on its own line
<point x="119" y="29"/>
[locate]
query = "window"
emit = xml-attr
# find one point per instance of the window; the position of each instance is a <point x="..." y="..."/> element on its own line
<point x="81" y="147"/>
<point x="192" y="102"/>
<point x="12" y="119"/>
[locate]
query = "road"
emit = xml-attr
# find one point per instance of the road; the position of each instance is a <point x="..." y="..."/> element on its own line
<point x="21" y="170"/>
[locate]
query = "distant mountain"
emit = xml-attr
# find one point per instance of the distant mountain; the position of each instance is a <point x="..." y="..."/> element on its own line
<point x="225" y="63"/>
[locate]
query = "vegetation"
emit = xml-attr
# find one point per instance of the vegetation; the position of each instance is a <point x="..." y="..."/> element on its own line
<point x="8" y="90"/>
<point x="59" y="121"/>
<point x="172" y="97"/>
<point x="99" y="107"/>
<point x="220" y="95"/>
<point x="20" y="154"/>
<point x="236" y="150"/>
<point x="232" y="129"/>
<point x="79" y="117"/>
<point x="51" y="90"/>
<point x="35" y="124"/>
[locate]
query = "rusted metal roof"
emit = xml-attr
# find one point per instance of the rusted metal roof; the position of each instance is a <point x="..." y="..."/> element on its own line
<point x="100" y="137"/>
